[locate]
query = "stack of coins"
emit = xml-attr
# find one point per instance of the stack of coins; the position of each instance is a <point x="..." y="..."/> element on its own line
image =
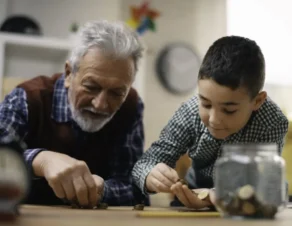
<point x="244" y="202"/>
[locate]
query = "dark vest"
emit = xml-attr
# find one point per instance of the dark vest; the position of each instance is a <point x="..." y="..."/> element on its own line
<point x="93" y="148"/>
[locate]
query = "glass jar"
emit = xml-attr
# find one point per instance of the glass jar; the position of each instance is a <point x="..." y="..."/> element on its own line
<point x="14" y="178"/>
<point x="250" y="181"/>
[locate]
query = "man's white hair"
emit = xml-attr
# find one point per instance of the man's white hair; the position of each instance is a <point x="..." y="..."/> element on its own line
<point x="112" y="38"/>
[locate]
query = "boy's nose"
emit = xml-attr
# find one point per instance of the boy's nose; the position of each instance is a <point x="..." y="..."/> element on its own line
<point x="214" y="118"/>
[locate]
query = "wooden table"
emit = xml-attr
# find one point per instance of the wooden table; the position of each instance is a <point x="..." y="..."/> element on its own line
<point x="55" y="216"/>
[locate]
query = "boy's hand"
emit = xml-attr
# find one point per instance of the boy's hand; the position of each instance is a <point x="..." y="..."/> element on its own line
<point x="161" y="178"/>
<point x="190" y="197"/>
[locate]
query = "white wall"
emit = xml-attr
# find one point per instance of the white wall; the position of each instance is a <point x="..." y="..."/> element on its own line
<point x="269" y="23"/>
<point x="184" y="21"/>
<point x="197" y="22"/>
<point x="3" y="7"/>
<point x="209" y="23"/>
<point x="175" y="24"/>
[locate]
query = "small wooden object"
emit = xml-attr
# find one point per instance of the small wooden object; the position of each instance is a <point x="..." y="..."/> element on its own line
<point x="139" y="207"/>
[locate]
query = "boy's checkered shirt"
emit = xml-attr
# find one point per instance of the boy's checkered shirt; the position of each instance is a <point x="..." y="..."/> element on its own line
<point x="185" y="132"/>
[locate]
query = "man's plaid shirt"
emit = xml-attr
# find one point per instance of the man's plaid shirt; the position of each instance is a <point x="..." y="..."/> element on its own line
<point x="118" y="189"/>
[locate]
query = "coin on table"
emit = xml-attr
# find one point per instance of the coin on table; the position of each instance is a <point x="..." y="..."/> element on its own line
<point x="101" y="206"/>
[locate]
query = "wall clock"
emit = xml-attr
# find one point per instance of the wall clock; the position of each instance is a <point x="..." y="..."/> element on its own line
<point x="177" y="67"/>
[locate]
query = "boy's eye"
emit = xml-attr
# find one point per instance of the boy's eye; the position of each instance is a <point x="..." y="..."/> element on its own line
<point x="229" y="112"/>
<point x="208" y="106"/>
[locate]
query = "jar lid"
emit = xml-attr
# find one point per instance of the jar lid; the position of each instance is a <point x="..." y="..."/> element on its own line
<point x="250" y="148"/>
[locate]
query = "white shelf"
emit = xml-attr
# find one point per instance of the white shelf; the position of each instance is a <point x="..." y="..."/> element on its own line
<point x="35" y="41"/>
<point x="25" y="56"/>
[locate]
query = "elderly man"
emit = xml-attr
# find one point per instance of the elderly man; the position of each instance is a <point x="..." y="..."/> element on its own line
<point x="83" y="128"/>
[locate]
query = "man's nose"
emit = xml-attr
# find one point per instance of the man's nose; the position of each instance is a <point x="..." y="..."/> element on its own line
<point x="100" y="102"/>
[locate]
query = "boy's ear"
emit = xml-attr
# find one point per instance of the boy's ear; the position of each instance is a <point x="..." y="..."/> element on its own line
<point x="259" y="100"/>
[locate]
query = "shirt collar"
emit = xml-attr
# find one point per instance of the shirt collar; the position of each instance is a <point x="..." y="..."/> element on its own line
<point x="60" y="109"/>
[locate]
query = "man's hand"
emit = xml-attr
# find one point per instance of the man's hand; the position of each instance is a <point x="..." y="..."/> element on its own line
<point x="190" y="197"/>
<point x="99" y="182"/>
<point x="68" y="177"/>
<point x="161" y="178"/>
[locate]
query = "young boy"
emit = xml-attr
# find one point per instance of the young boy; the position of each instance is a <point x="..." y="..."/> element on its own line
<point x="230" y="108"/>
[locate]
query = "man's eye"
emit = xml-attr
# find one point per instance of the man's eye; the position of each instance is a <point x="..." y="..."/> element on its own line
<point x="91" y="87"/>
<point x="118" y="94"/>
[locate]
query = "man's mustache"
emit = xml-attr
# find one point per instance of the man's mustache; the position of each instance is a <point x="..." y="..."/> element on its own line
<point x="91" y="109"/>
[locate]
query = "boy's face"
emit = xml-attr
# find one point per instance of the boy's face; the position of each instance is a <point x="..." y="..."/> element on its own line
<point x="225" y="111"/>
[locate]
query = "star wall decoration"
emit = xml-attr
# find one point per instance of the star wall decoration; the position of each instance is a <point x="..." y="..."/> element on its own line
<point x="143" y="18"/>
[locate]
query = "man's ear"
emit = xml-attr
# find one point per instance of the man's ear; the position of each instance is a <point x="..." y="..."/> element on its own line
<point x="259" y="100"/>
<point x="68" y="74"/>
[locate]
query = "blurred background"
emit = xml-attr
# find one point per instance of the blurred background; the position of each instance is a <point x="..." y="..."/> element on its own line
<point x="43" y="49"/>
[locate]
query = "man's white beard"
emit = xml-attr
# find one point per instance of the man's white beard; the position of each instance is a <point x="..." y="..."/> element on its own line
<point x="87" y="124"/>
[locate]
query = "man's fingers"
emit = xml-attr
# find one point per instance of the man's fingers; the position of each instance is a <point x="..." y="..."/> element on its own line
<point x="58" y="189"/>
<point x="69" y="189"/>
<point x="92" y="189"/>
<point x="81" y="191"/>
